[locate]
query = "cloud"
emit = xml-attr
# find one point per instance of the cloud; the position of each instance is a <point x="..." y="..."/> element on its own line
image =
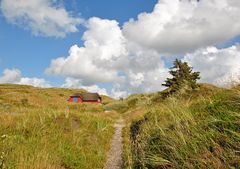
<point x="14" y="76"/>
<point x="177" y="27"/>
<point x="76" y="84"/>
<point x="36" y="82"/>
<point x="108" y="57"/>
<point x="117" y="94"/>
<point x="98" y="59"/>
<point x="133" y="58"/>
<point x="41" y="17"/>
<point x="10" y="76"/>
<point x="217" y="66"/>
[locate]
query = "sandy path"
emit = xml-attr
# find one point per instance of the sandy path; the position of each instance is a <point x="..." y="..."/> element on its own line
<point x="114" y="158"/>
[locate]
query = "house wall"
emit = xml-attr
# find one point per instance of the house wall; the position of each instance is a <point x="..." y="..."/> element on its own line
<point x="72" y="99"/>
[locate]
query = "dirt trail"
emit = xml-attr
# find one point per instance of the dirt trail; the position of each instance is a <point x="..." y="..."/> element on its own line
<point x="114" y="158"/>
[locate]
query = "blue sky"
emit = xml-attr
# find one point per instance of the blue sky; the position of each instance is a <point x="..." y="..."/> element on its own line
<point x="32" y="54"/>
<point x="117" y="47"/>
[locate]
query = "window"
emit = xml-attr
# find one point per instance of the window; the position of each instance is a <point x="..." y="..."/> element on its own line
<point x="75" y="99"/>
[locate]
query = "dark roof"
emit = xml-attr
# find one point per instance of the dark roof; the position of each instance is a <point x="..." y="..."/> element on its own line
<point x="87" y="96"/>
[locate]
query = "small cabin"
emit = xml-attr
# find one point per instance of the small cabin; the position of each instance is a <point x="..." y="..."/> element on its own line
<point x="85" y="98"/>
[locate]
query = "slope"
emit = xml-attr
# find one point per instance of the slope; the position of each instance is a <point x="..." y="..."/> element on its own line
<point x="199" y="129"/>
<point x="39" y="129"/>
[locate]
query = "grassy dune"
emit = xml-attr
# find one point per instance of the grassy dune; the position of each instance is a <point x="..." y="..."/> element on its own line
<point x="200" y="129"/>
<point x="39" y="129"/>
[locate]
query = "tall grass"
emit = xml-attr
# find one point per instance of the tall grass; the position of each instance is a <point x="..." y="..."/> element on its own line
<point x="39" y="129"/>
<point x="193" y="130"/>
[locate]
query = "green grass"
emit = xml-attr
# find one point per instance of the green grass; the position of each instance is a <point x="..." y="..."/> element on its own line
<point x="39" y="129"/>
<point x="200" y="129"/>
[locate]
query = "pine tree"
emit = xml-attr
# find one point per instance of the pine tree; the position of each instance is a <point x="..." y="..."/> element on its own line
<point x="182" y="77"/>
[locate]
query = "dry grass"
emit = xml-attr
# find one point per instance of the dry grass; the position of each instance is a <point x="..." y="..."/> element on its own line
<point x="199" y="129"/>
<point x="39" y="129"/>
<point x="191" y="130"/>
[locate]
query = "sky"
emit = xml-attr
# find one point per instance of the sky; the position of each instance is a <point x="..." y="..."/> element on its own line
<point x="117" y="47"/>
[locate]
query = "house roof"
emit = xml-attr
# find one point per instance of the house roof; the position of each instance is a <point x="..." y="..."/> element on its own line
<point x="87" y="96"/>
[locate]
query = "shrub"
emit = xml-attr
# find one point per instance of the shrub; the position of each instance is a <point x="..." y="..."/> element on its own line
<point x="183" y="78"/>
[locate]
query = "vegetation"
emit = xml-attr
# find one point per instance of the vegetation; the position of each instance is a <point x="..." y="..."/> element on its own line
<point x="188" y="129"/>
<point x="183" y="78"/>
<point x="199" y="129"/>
<point x="39" y="129"/>
<point x="184" y="128"/>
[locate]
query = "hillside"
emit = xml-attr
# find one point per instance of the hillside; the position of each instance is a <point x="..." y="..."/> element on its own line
<point x="198" y="129"/>
<point x="194" y="129"/>
<point x="40" y="129"/>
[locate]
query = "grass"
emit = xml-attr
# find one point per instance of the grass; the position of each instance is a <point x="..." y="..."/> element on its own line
<point x="191" y="130"/>
<point x="197" y="129"/>
<point x="39" y="129"/>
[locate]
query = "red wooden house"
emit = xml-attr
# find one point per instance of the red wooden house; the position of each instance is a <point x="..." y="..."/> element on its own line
<point x="85" y="98"/>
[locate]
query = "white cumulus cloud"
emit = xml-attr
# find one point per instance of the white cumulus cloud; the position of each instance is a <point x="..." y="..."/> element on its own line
<point x="41" y="17"/>
<point x="14" y="76"/>
<point x="176" y="27"/>
<point x="96" y="61"/>
<point x="10" y="76"/>
<point x="36" y="82"/>
<point x="217" y="66"/>
<point x="76" y="84"/>
<point x="108" y="57"/>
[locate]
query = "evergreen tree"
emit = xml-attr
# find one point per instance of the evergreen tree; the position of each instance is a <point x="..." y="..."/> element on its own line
<point x="182" y="77"/>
